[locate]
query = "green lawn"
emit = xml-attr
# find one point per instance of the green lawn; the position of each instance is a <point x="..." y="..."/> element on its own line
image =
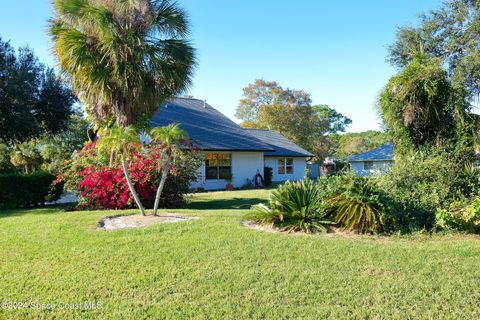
<point x="215" y="268"/>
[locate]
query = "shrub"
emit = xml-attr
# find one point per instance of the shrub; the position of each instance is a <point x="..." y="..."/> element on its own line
<point x="25" y="190"/>
<point x="99" y="183"/>
<point x="424" y="181"/>
<point x="359" y="206"/>
<point x="295" y="206"/>
<point x="460" y="217"/>
<point x="267" y="176"/>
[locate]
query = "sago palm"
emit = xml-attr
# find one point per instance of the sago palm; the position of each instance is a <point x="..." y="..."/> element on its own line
<point x="295" y="206"/>
<point x="123" y="57"/>
<point x="359" y="208"/>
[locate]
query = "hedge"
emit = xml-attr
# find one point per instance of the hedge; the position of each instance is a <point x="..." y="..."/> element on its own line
<point x="27" y="190"/>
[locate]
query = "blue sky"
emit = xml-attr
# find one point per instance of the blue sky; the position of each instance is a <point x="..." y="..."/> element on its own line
<point x="334" y="50"/>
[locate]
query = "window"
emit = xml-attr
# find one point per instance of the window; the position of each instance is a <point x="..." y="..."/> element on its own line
<point x="218" y="166"/>
<point x="368" y="165"/>
<point x="285" y="166"/>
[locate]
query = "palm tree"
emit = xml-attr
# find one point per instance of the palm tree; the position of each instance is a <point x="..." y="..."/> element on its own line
<point x="168" y="136"/>
<point x="116" y="141"/>
<point x="123" y="57"/>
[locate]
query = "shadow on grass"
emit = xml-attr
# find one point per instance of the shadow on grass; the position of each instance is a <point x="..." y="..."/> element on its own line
<point x="232" y="203"/>
<point x="56" y="208"/>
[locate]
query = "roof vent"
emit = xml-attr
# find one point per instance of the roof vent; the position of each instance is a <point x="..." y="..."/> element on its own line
<point x="204" y="103"/>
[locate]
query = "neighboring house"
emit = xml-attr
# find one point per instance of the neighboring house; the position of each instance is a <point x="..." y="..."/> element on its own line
<point x="373" y="162"/>
<point x="230" y="149"/>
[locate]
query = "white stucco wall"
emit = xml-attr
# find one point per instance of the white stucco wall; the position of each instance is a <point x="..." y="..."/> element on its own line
<point x="244" y="166"/>
<point x="379" y="167"/>
<point x="299" y="165"/>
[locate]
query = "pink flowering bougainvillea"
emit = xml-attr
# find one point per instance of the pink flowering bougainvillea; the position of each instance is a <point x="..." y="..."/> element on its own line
<point x="100" y="184"/>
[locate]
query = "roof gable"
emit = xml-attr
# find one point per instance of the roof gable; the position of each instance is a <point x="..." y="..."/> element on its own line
<point x="207" y="128"/>
<point x="384" y="152"/>
<point x="282" y="146"/>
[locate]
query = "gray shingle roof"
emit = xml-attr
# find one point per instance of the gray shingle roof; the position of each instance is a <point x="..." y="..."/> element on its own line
<point x="283" y="147"/>
<point x="384" y="152"/>
<point x="207" y="128"/>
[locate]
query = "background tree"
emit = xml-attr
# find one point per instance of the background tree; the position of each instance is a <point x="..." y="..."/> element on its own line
<point x="5" y="165"/>
<point x="123" y="58"/>
<point x="262" y="94"/>
<point x="299" y="124"/>
<point x="56" y="149"/>
<point x="417" y="106"/>
<point x="337" y="122"/>
<point x="266" y="105"/>
<point x="33" y="101"/>
<point x="352" y="143"/>
<point x="450" y="34"/>
<point x="26" y="155"/>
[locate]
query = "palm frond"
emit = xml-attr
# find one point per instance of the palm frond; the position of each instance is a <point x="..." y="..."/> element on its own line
<point x="123" y="57"/>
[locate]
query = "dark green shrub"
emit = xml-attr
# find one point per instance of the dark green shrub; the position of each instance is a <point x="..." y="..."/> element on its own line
<point x="295" y="206"/>
<point x="25" y="190"/>
<point x="424" y="181"/>
<point x="267" y="176"/>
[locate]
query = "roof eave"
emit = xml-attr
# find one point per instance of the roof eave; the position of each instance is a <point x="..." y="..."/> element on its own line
<point x="363" y="160"/>
<point x="290" y="155"/>
<point x="236" y="150"/>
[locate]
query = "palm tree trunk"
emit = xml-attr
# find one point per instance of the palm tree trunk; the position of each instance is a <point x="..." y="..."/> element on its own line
<point x="130" y="186"/>
<point x="161" y="185"/>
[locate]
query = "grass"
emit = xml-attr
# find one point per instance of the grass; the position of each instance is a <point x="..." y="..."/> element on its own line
<point x="242" y="199"/>
<point x="215" y="268"/>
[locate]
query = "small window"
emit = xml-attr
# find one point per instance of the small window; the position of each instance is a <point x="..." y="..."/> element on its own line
<point x="285" y="166"/>
<point x="368" y="165"/>
<point x="217" y="166"/>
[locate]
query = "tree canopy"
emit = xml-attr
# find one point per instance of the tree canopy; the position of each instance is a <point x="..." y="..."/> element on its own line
<point x="123" y="57"/>
<point x="450" y="33"/>
<point x="267" y="105"/>
<point x="33" y="100"/>
<point x="352" y="143"/>
<point x="447" y="38"/>
<point x="263" y="93"/>
<point x="417" y="106"/>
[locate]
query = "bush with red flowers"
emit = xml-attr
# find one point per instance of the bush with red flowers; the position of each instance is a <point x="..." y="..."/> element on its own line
<point x="100" y="183"/>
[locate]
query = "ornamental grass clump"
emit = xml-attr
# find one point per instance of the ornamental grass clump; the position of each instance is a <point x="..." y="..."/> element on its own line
<point x="295" y="206"/>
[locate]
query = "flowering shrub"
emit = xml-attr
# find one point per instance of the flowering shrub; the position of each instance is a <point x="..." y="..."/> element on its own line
<point x="99" y="181"/>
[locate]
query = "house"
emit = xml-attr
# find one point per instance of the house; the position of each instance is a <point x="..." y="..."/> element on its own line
<point x="372" y="162"/>
<point x="288" y="160"/>
<point x="230" y="150"/>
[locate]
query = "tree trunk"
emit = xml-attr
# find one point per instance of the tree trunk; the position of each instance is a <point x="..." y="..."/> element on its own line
<point x="130" y="186"/>
<point x="161" y="185"/>
<point x="121" y="111"/>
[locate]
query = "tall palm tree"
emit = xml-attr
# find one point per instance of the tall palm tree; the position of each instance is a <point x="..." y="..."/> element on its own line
<point x="123" y="57"/>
